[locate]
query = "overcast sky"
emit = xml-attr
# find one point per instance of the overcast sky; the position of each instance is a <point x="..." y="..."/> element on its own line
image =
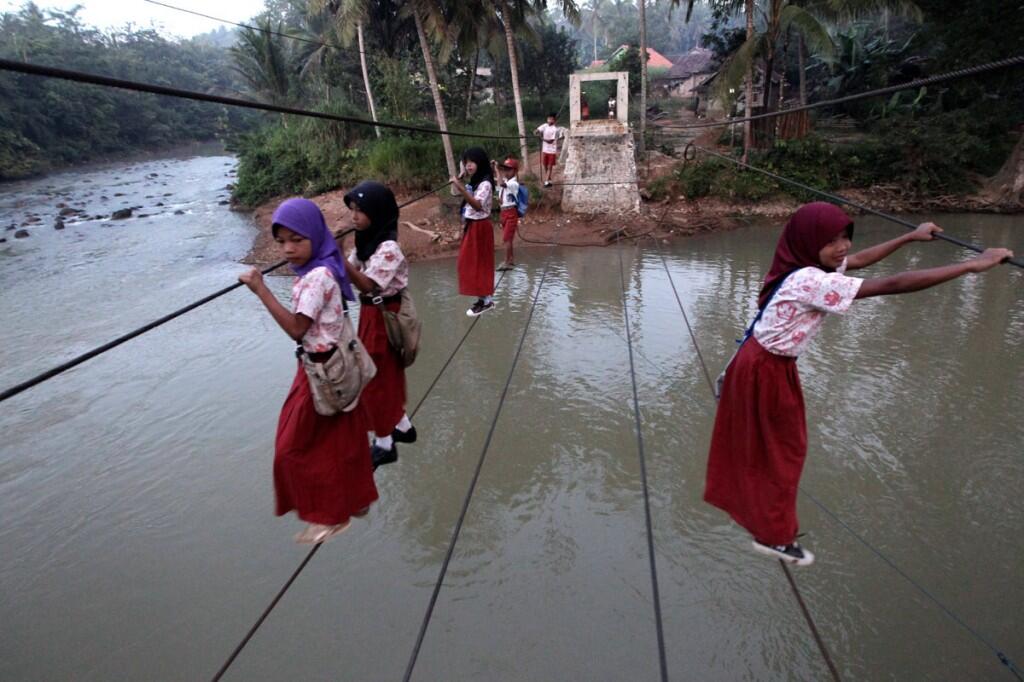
<point x="108" y="13"/>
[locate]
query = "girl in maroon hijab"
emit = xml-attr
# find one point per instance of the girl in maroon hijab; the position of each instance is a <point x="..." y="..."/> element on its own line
<point x="759" y="440"/>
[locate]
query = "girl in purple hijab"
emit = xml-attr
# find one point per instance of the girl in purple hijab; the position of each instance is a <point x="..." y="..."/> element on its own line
<point x="322" y="466"/>
<point x="303" y="217"/>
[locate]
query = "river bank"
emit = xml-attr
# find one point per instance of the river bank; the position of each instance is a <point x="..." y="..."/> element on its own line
<point x="430" y="228"/>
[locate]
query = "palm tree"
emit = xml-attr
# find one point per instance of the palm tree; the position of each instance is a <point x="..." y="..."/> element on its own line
<point x="511" y="11"/>
<point x="840" y="11"/>
<point x="263" y="58"/>
<point x="780" y="16"/>
<point x="595" y="12"/>
<point x="349" y="15"/>
<point x="428" y="16"/>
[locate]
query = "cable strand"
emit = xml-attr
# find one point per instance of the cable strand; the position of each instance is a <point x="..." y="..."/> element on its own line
<point x="849" y="202"/>
<point x="910" y="85"/>
<point x="414" y="655"/>
<point x="110" y="345"/>
<point x="655" y="592"/>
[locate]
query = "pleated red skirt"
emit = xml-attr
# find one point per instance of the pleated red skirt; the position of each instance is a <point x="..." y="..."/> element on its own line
<point x="476" y="259"/>
<point x="384" y="396"/>
<point x="322" y="466"/>
<point x="759" y="444"/>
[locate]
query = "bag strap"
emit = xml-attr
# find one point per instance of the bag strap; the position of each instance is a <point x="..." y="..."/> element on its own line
<point x="760" y="311"/>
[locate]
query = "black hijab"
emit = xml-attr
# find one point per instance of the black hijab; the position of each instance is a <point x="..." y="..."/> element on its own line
<point x="378" y="202"/>
<point x="483" y="169"/>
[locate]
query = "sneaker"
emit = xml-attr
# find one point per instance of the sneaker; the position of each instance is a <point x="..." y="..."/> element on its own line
<point x="404" y="436"/>
<point x="381" y="456"/>
<point x="792" y="553"/>
<point x="547" y="184"/>
<point x="504" y="266"/>
<point x="479" y="308"/>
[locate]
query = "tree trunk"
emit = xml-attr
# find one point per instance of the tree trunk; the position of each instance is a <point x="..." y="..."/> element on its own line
<point x="594" y="28"/>
<point x="643" y="76"/>
<point x="748" y="132"/>
<point x="472" y="82"/>
<point x="366" y="77"/>
<point x="442" y="121"/>
<point x="1006" y="187"/>
<point x="524" y="152"/>
<point x="801" y="61"/>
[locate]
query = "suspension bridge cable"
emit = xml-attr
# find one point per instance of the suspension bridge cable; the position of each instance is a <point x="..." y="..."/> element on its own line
<point x="656" y="595"/>
<point x="473" y="481"/>
<point x="258" y="29"/>
<point x="99" y="350"/>
<point x="266" y="612"/>
<point x="136" y="86"/>
<point x="849" y="202"/>
<point x="909" y="85"/>
<point x="1003" y="657"/>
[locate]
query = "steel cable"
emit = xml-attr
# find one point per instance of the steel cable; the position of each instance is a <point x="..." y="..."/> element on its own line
<point x="135" y="86"/>
<point x="843" y="200"/>
<point x="99" y="350"/>
<point x="414" y="655"/>
<point x="655" y="592"/>
<point x="909" y="85"/>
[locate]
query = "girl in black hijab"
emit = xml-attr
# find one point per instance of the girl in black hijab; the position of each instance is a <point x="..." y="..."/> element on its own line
<point x="476" y="254"/>
<point x="379" y="270"/>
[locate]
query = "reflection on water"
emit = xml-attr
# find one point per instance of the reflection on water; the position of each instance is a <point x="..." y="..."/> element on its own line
<point x="139" y="540"/>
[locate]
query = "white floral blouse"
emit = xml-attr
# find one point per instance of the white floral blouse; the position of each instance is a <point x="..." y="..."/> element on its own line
<point x="318" y="296"/>
<point x="795" y="314"/>
<point x="387" y="267"/>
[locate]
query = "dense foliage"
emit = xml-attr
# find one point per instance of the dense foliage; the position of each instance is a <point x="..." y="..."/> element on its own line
<point x="45" y="123"/>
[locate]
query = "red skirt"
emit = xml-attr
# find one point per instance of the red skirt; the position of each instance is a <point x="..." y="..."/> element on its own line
<point x="322" y="466"/>
<point x="759" y="445"/>
<point x="509" y="223"/>
<point x="476" y="259"/>
<point x="384" y="396"/>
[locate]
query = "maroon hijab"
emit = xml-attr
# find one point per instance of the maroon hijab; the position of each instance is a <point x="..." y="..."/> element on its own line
<point x="810" y="229"/>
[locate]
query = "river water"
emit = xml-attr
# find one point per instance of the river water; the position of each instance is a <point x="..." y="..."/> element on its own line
<point x="137" y="533"/>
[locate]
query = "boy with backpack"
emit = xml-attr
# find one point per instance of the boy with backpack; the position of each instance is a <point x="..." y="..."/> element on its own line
<point x="513" y="200"/>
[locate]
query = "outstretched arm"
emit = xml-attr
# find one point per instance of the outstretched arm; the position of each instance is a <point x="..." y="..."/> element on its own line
<point x="293" y="324"/>
<point x="915" y="280"/>
<point x="924" y="232"/>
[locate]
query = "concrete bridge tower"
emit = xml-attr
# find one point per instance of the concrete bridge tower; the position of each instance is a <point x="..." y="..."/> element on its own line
<point x="600" y="151"/>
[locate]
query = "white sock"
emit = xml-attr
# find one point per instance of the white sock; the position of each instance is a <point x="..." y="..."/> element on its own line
<point x="384" y="443"/>
<point x="488" y="299"/>
<point x="405" y="424"/>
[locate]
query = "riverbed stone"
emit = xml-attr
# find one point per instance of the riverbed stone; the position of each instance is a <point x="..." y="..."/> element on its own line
<point x="21" y="234"/>
<point x="121" y="214"/>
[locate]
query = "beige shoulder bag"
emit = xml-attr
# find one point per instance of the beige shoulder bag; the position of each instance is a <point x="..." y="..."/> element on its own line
<point x="337" y="382"/>
<point x="403" y="327"/>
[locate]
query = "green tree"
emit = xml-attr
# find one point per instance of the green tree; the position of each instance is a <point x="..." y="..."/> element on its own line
<point x="267" y="62"/>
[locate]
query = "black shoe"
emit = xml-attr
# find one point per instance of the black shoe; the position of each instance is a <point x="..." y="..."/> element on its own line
<point x="381" y="456"/>
<point x="404" y="436"/>
<point x="792" y="553"/>
<point x="479" y="308"/>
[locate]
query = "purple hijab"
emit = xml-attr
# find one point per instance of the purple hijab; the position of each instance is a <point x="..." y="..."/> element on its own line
<point x="303" y="217"/>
